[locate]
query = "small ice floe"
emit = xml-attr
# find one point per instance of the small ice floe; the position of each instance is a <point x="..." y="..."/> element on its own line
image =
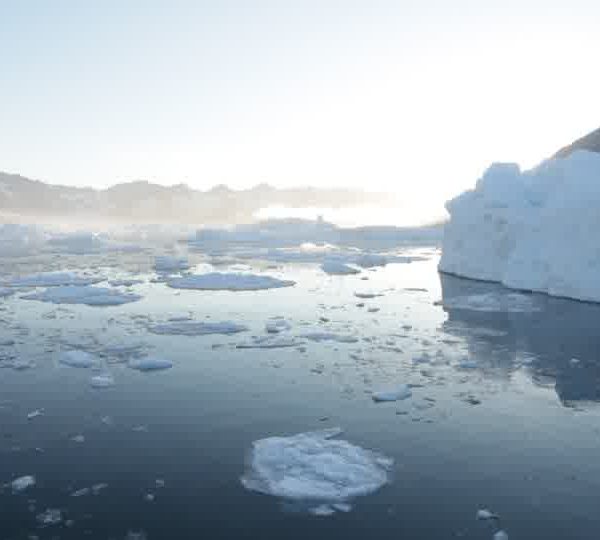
<point x="6" y="292"/>
<point x="149" y="497"/>
<point x="168" y="263"/>
<point x="77" y="359"/>
<point x="22" y="483"/>
<point x="277" y="325"/>
<point x="329" y="336"/>
<point x="159" y="483"/>
<point x="367" y="295"/>
<point x="136" y="535"/>
<point x="79" y="439"/>
<point x="125" y="282"/>
<point x="314" y="469"/>
<point x="371" y="260"/>
<point x="493" y="302"/>
<point x="55" y="279"/>
<point x="396" y="393"/>
<point x="467" y="363"/>
<point x="104" y="380"/>
<point x="35" y="414"/>
<point x="216" y="281"/>
<point x="81" y="492"/>
<point x="501" y="535"/>
<point x="150" y="363"/>
<point x="267" y="342"/>
<point x="190" y="328"/>
<point x="484" y="514"/>
<point x="87" y="295"/>
<point x="52" y="516"/>
<point x="338" y="268"/>
<point x="97" y="488"/>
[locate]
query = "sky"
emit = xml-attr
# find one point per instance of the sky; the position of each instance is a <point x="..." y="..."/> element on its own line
<point x="413" y="97"/>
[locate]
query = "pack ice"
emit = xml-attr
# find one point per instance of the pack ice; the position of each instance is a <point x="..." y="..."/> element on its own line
<point x="534" y="230"/>
<point x="216" y="281"/>
<point x="315" y="468"/>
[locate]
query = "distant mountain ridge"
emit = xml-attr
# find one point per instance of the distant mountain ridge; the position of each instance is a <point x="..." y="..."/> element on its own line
<point x="144" y="202"/>
<point x="590" y="142"/>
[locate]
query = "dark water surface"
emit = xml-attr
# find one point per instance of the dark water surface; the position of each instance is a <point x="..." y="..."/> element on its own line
<point x="516" y="430"/>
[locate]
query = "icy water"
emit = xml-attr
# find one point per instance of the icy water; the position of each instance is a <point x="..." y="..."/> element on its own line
<point x="503" y="413"/>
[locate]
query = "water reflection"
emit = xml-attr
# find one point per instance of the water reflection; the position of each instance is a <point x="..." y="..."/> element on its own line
<point x="556" y="341"/>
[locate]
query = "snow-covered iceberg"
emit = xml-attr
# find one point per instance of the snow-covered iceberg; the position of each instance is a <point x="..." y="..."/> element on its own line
<point x="534" y="230"/>
<point x="316" y="469"/>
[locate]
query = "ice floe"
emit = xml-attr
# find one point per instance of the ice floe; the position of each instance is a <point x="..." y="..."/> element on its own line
<point x="5" y="292"/>
<point x="167" y="263"/>
<point x="55" y="279"/>
<point x="87" y="295"/>
<point x="190" y="328"/>
<point x="216" y="281"/>
<point x="104" y="380"/>
<point x="338" y="268"/>
<point x="277" y="325"/>
<point x="22" y="483"/>
<point x="329" y="336"/>
<point x="150" y="363"/>
<point x="78" y="359"/>
<point x="396" y="393"/>
<point x="315" y="468"/>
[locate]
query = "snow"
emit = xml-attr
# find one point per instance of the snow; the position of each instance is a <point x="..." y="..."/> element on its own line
<point x="315" y="468"/>
<point x="55" y="279"/>
<point x="338" y="268"/>
<point x="22" y="483"/>
<point x="167" y="263"/>
<point x="150" y="363"/>
<point x="91" y="296"/>
<point x="329" y="336"/>
<point x="534" y="230"/>
<point x="216" y="281"/>
<point x="78" y="359"/>
<point x="402" y="391"/>
<point x="188" y="328"/>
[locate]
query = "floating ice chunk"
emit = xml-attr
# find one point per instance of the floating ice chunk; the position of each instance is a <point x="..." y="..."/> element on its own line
<point x="79" y="439"/>
<point x="136" y="535"/>
<point x="150" y="363"/>
<point x="168" y="263"/>
<point x="125" y="282"/>
<point x="81" y="492"/>
<point x="329" y="336"/>
<point x="22" y="483"/>
<point x="105" y="380"/>
<point x="501" y="535"/>
<point x="370" y="260"/>
<point x="97" y="488"/>
<point x="493" y="302"/>
<point x="466" y="363"/>
<point x="52" y="516"/>
<point x="77" y="359"/>
<point x="55" y="279"/>
<point x="402" y="391"/>
<point x="188" y="328"/>
<point x="313" y="467"/>
<point x="367" y="295"/>
<point x="277" y="325"/>
<point x="91" y="296"/>
<point x="485" y="514"/>
<point x="35" y="414"/>
<point x="267" y="342"/>
<point x="5" y="292"/>
<point x="216" y="281"/>
<point x="338" y="268"/>
<point x="322" y="510"/>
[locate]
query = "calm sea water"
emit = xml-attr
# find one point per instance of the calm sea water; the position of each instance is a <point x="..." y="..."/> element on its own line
<point x="518" y="432"/>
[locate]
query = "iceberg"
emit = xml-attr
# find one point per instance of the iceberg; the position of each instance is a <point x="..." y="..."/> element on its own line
<point x="534" y="230"/>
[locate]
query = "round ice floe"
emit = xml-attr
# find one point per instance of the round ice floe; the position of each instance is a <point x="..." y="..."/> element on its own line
<point x="402" y="391"/>
<point x="150" y="363"/>
<point x="315" y="468"/>
<point x="22" y="483"/>
<point x="91" y="296"/>
<point x="216" y="281"/>
<point x="78" y="359"/>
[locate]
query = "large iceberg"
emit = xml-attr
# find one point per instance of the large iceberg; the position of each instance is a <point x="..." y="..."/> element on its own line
<point x="534" y="230"/>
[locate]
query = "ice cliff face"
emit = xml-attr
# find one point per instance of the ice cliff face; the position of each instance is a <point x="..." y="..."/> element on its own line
<point x="537" y="230"/>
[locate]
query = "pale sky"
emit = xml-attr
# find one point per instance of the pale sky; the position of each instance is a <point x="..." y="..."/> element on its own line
<point x="416" y="97"/>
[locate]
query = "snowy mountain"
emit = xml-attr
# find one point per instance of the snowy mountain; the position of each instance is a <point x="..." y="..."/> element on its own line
<point x="144" y="202"/>
<point x="590" y="142"/>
